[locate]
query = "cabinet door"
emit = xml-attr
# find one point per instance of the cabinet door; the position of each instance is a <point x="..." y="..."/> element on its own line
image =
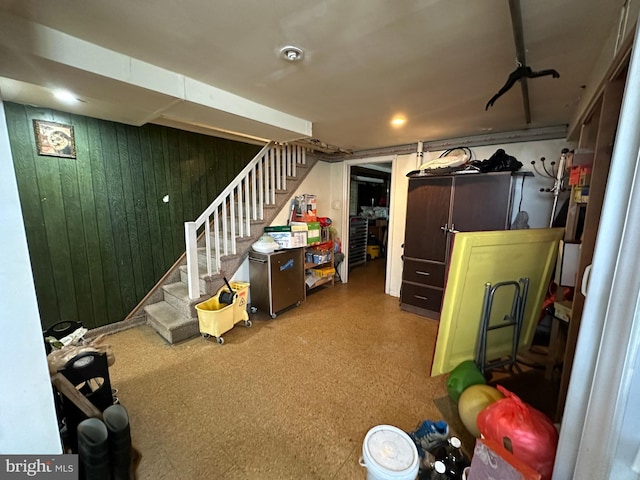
<point x="428" y="205"/>
<point x="481" y="202"/>
<point x="287" y="278"/>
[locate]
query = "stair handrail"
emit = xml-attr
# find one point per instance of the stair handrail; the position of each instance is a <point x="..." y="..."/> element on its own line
<point x="265" y="174"/>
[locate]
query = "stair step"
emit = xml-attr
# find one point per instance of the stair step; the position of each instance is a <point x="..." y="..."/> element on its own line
<point x="202" y="259"/>
<point x="171" y="324"/>
<point x="205" y="281"/>
<point x="246" y="238"/>
<point x="242" y="244"/>
<point x="177" y="295"/>
<point x="184" y="277"/>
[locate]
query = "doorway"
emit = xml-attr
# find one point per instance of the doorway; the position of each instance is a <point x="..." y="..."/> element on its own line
<point x="368" y="188"/>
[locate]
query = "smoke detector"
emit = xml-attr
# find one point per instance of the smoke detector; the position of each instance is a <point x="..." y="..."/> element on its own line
<point x="292" y="54"/>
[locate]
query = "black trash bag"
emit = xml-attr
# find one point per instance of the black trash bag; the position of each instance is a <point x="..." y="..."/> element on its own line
<point x="500" y="161"/>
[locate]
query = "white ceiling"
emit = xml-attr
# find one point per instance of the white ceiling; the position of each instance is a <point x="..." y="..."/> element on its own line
<point x="202" y="64"/>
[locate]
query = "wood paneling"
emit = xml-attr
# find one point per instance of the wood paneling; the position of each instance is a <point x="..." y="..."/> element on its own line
<point x="99" y="234"/>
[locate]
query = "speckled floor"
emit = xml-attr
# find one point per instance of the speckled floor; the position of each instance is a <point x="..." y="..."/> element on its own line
<point x="289" y="398"/>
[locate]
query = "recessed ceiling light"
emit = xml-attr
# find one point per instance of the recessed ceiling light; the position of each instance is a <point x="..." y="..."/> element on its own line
<point x="65" y="96"/>
<point x="398" y="121"/>
<point x="292" y="54"/>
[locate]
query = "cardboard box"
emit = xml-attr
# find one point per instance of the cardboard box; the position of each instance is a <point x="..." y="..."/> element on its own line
<point x="323" y="272"/>
<point x="312" y="230"/>
<point x="562" y="310"/>
<point x="583" y="156"/>
<point x="313" y="235"/>
<point x="304" y="208"/>
<point x="580" y="194"/>
<point x="574" y="176"/>
<point x="585" y="176"/>
<point x="300" y="227"/>
<point x="580" y="175"/>
<point x="285" y="237"/>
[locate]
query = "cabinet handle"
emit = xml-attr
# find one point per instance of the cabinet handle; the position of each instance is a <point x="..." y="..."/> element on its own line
<point x="448" y="229"/>
<point x="585" y="280"/>
<point x="426" y="274"/>
<point x="420" y="297"/>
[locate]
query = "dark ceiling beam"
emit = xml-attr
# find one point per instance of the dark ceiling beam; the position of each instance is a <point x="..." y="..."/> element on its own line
<point x="518" y="37"/>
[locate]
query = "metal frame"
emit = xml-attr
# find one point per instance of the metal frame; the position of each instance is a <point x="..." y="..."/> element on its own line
<point x="513" y="319"/>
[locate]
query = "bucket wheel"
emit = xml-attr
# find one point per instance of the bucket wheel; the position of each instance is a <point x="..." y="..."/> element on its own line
<point x="220" y="340"/>
<point x="248" y="323"/>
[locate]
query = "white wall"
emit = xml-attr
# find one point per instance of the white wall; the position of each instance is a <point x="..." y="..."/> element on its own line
<point x="28" y="423"/>
<point x="317" y="183"/>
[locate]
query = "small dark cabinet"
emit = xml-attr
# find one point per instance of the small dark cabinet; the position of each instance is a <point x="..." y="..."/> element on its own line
<point x="437" y="207"/>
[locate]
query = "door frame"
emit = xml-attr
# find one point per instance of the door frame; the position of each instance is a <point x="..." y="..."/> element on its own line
<point x="346" y="195"/>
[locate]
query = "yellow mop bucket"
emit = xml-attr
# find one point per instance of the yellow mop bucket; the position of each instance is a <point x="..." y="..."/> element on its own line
<point x="221" y="312"/>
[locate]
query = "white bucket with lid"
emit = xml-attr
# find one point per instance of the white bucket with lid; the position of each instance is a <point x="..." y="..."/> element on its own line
<point x="388" y="453"/>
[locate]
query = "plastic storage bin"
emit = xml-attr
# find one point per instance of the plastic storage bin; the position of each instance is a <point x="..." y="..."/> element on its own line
<point x="216" y="317"/>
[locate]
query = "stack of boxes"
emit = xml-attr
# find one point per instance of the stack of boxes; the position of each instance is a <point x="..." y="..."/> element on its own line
<point x="303" y="228"/>
<point x="312" y="229"/>
<point x="579" y="180"/>
<point x="304" y="208"/>
<point x="288" y="236"/>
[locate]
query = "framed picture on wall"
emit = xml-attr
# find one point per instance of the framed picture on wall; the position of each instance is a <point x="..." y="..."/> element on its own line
<point x="54" y="139"/>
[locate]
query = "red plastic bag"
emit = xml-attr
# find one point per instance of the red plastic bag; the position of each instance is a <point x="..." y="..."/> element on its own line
<point x="530" y="433"/>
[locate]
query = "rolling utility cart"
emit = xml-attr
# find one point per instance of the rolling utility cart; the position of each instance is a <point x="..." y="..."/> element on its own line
<point x="221" y="312"/>
<point x="277" y="279"/>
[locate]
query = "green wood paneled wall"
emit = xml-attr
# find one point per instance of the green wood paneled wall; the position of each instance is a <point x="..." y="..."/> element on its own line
<point x="99" y="234"/>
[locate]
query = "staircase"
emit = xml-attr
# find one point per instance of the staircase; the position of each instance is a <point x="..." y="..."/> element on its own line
<point x="213" y="252"/>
